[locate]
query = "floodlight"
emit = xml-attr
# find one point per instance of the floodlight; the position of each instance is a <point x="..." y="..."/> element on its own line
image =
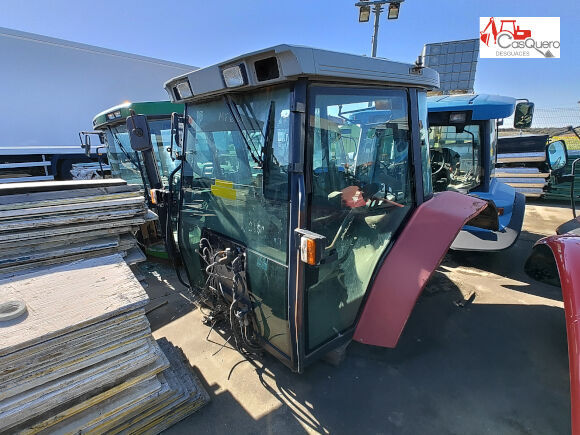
<point x="394" y="11"/>
<point x="364" y="14"/>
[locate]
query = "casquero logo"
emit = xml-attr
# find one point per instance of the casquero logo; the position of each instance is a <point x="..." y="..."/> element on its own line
<point x="519" y="37"/>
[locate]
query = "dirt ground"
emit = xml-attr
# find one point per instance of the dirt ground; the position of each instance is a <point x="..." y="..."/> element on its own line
<point x="497" y="365"/>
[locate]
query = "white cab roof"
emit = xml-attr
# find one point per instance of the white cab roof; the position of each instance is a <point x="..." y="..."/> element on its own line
<point x="296" y="61"/>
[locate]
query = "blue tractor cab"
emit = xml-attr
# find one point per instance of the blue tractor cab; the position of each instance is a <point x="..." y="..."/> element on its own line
<point x="463" y="144"/>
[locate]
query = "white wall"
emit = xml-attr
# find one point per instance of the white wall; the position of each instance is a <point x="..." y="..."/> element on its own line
<point x="51" y="89"/>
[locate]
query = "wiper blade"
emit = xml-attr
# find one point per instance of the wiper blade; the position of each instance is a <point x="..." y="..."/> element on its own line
<point x="238" y="120"/>
<point x="269" y="134"/>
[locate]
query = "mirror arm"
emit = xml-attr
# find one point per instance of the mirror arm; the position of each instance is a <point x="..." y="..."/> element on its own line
<point x="86" y="141"/>
<point x="176" y="118"/>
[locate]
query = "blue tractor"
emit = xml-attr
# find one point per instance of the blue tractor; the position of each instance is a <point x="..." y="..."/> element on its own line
<point x="463" y="144"/>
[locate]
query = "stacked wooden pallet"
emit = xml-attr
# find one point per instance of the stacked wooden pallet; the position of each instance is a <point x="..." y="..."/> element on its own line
<point x="53" y="222"/>
<point x="521" y="163"/>
<point x="82" y="358"/>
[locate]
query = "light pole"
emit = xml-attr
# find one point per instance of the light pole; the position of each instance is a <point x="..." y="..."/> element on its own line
<point x="377" y="5"/>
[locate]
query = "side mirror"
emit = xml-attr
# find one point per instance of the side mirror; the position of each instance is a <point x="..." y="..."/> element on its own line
<point x="524" y="114"/>
<point x="557" y="155"/>
<point x="139" y="135"/>
<point x="177" y="133"/>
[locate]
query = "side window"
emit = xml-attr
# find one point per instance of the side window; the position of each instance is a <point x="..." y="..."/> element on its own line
<point x="424" y="135"/>
<point x="160" y="138"/>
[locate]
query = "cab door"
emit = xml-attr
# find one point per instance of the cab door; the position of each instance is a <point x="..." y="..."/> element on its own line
<point x="359" y="142"/>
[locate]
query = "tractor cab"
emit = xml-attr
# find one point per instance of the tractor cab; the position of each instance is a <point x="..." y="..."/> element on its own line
<point x="463" y="144"/>
<point x="301" y="172"/>
<point x="125" y="162"/>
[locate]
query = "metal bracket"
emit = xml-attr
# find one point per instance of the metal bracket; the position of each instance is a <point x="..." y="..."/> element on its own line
<point x="417" y="70"/>
<point x="298" y="106"/>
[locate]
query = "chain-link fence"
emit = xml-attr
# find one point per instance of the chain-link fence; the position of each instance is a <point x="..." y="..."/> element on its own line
<point x="551" y="121"/>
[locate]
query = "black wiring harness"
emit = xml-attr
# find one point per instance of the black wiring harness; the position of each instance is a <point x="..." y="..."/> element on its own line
<point x="226" y="294"/>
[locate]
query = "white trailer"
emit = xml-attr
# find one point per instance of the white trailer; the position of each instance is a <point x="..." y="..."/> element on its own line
<point x="50" y="90"/>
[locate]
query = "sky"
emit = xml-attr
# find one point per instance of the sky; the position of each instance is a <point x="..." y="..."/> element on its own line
<point x="202" y="33"/>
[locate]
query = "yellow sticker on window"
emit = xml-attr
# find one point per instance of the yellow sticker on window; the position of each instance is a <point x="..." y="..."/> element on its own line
<point x="223" y="183"/>
<point x="224" y="189"/>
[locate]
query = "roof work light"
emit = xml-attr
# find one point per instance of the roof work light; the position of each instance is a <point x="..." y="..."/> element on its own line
<point x="235" y="75"/>
<point x="182" y="90"/>
<point x="457" y="117"/>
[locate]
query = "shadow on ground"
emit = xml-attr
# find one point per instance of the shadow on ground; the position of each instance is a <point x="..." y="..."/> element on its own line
<point x="168" y="298"/>
<point x="509" y="264"/>
<point x="483" y="368"/>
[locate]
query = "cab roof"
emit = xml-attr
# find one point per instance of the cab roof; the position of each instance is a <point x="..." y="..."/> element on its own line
<point x="117" y="114"/>
<point x="482" y="106"/>
<point x="289" y="62"/>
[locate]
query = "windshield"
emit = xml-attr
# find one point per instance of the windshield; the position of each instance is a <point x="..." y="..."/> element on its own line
<point x="455" y="157"/>
<point x="361" y="192"/>
<point x="125" y="162"/>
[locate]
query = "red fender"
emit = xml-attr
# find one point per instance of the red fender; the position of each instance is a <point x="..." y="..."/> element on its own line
<point x="415" y="255"/>
<point x="566" y="250"/>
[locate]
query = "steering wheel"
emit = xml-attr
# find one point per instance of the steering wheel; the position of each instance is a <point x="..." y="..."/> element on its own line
<point x="437" y="163"/>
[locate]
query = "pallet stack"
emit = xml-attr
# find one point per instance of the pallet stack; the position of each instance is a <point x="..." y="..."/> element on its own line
<point x="76" y="350"/>
<point x="82" y="358"/>
<point x="53" y="222"/>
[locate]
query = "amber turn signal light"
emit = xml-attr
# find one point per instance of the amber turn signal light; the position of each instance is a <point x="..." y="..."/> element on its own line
<point x="311" y="246"/>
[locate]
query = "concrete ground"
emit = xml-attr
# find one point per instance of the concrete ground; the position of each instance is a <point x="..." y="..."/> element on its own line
<point x="496" y="365"/>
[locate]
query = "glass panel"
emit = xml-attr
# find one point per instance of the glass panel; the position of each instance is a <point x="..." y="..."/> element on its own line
<point x="124" y="161"/>
<point x="455" y="157"/>
<point x="222" y="193"/>
<point x="492" y="145"/>
<point x="361" y="194"/>
<point x="122" y="158"/>
<point x="424" y="137"/>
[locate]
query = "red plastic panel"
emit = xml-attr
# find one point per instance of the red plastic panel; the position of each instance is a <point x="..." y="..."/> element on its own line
<point x="408" y="266"/>
<point x="566" y="250"/>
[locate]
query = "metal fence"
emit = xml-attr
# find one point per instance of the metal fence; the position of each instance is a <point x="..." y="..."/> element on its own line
<point x="551" y="121"/>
